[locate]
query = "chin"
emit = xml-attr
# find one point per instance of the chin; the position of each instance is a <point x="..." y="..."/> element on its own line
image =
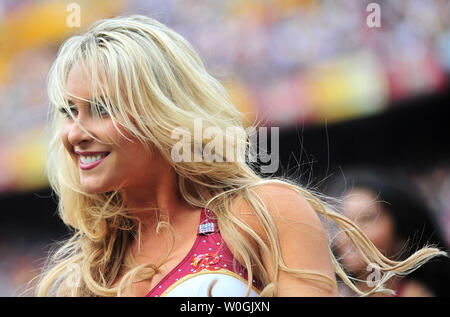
<point x="93" y="189"/>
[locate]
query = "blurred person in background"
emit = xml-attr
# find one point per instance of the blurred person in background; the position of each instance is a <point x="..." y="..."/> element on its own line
<point x="396" y="218"/>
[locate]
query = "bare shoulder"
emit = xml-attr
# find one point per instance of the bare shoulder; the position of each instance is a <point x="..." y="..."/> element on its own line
<point x="285" y="206"/>
<point x="300" y="234"/>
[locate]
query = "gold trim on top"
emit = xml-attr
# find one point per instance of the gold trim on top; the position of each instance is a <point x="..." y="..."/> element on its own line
<point x="220" y="271"/>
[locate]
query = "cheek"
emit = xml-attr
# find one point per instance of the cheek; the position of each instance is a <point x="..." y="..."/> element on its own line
<point x="349" y="256"/>
<point x="382" y="235"/>
<point x="131" y="156"/>
<point x="116" y="139"/>
<point x="65" y="139"/>
<point x="135" y="158"/>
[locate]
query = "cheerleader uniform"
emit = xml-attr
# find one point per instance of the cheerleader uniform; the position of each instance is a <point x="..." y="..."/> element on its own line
<point x="209" y="269"/>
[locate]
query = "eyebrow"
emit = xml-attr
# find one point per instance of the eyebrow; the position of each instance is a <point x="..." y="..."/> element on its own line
<point x="89" y="101"/>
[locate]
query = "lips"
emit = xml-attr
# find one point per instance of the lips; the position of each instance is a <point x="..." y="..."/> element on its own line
<point x="90" y="153"/>
<point x="90" y="165"/>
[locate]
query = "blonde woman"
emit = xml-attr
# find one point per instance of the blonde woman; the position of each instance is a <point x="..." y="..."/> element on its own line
<point x="147" y="223"/>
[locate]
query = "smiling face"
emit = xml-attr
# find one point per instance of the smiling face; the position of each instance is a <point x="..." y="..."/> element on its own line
<point x="126" y="163"/>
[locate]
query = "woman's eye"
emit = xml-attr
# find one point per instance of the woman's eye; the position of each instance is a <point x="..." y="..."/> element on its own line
<point x="101" y="110"/>
<point x="367" y="218"/>
<point x="73" y="110"/>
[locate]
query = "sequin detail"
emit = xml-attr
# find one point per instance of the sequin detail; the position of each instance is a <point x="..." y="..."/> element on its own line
<point x="206" y="261"/>
<point x="206" y="228"/>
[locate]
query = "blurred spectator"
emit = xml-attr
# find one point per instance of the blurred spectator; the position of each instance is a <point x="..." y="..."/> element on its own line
<point x="392" y="213"/>
<point x="20" y="263"/>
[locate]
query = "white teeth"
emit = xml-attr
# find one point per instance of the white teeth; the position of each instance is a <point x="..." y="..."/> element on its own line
<point x="91" y="159"/>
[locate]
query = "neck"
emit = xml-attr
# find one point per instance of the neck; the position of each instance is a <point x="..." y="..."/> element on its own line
<point x="156" y="200"/>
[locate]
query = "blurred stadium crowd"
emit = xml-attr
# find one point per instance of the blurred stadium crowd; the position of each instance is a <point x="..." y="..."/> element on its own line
<point x="288" y="63"/>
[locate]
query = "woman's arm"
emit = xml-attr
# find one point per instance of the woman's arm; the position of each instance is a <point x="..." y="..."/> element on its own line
<point x="302" y="239"/>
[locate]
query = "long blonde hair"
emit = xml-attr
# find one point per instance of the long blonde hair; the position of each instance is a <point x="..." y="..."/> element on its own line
<point x="155" y="82"/>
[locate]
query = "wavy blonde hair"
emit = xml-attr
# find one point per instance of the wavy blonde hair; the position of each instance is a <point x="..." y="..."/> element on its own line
<point x="155" y="82"/>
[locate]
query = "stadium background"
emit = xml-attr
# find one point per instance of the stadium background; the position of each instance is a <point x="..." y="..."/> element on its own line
<point x="343" y="94"/>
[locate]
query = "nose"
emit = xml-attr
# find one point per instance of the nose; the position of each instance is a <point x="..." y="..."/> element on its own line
<point x="77" y="136"/>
